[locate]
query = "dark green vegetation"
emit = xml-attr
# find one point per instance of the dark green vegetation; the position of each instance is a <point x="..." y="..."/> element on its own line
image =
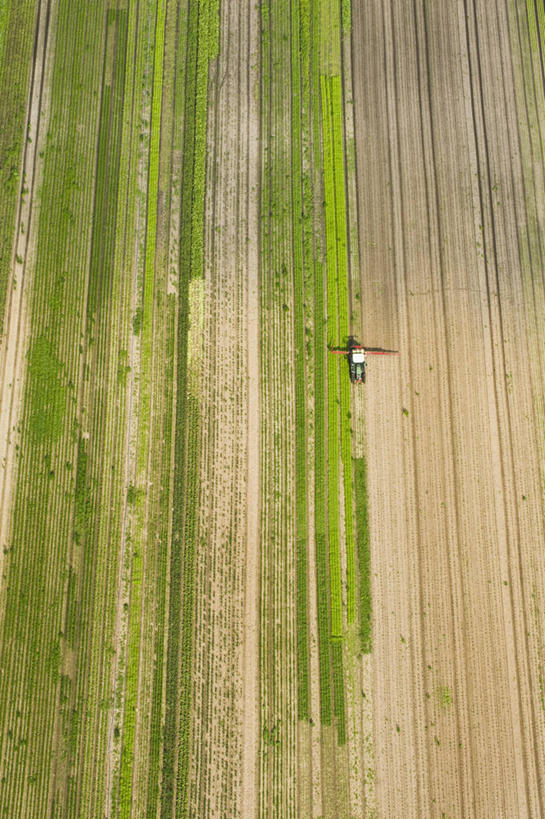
<point x="105" y="595"/>
<point x="202" y="45"/>
<point x="305" y="285"/>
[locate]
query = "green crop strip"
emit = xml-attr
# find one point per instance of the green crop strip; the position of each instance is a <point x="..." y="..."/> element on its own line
<point x="338" y="334"/>
<point x="332" y="365"/>
<point x="151" y="231"/>
<point x="108" y="161"/>
<point x="344" y="332"/>
<point x="4" y="21"/>
<point x="131" y="692"/>
<point x="202" y="46"/>
<point x="16" y="42"/>
<point x="320" y="363"/>
<point x="362" y="528"/>
<point x="334" y="24"/>
<point x="179" y="432"/>
<point x="164" y="380"/>
<point x="346" y="16"/>
<point x="154" y="773"/>
<point x="207" y="49"/>
<point x="48" y="392"/>
<point x="90" y="604"/>
<point x="300" y="374"/>
<point x="38" y="575"/>
<point x="536" y="27"/>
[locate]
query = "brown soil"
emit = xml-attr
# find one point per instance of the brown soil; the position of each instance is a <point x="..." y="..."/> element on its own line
<point x="225" y="701"/>
<point x="453" y="426"/>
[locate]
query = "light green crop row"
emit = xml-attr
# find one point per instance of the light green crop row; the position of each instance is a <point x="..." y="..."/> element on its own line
<point x="536" y="26"/>
<point x="38" y="568"/>
<point x="333" y="363"/>
<point x="320" y="369"/>
<point x="344" y="331"/>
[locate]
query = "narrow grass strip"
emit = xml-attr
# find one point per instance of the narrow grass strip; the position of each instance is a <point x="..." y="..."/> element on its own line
<point x="364" y="557"/>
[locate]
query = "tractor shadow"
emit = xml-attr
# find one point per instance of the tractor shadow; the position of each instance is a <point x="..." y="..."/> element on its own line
<point x="353" y="342"/>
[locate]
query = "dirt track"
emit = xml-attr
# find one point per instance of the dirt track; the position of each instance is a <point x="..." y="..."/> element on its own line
<point x="450" y="199"/>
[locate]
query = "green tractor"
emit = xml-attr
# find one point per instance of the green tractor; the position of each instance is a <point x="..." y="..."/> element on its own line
<point x="356" y="360"/>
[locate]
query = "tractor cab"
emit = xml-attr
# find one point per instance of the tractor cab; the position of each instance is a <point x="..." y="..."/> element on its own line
<point x="357" y="365"/>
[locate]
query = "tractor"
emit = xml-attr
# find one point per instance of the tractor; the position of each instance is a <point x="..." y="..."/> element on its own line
<point x="357" y="359"/>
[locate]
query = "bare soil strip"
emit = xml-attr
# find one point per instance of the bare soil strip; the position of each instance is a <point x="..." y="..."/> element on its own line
<point x="456" y="506"/>
<point x="225" y="699"/>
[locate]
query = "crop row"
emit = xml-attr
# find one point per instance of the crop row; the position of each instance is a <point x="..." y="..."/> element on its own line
<point x="38" y="570"/>
<point x="338" y="333"/>
<point x="337" y="110"/>
<point x="202" y="43"/>
<point x="147" y="788"/>
<point x="176" y="566"/>
<point x="333" y="363"/>
<point x="93" y="607"/>
<point x="162" y="567"/>
<point x="276" y="205"/>
<point x="17" y="19"/>
<point x="320" y="364"/>
<point x="129" y="259"/>
<point x="284" y="640"/>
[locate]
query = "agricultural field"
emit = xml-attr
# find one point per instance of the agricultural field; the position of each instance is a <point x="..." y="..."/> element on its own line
<point x="232" y="582"/>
